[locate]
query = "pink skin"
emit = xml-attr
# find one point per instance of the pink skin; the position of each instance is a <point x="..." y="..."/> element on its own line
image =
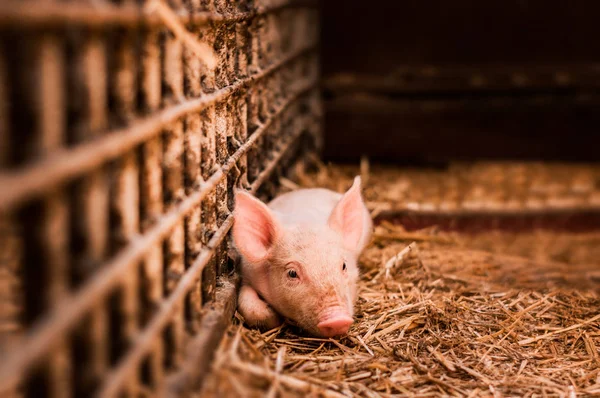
<point x="299" y="258"/>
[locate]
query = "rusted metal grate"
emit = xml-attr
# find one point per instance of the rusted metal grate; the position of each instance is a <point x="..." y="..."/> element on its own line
<point x="120" y="148"/>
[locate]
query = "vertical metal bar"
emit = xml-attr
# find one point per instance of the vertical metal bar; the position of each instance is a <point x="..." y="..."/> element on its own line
<point x="193" y="221"/>
<point x="223" y="125"/>
<point x="54" y="224"/>
<point x="39" y="111"/>
<point x="125" y="208"/>
<point x="150" y="90"/>
<point x="227" y="143"/>
<point x="242" y="37"/>
<point x="240" y="135"/>
<point x="172" y="68"/>
<point x="123" y="81"/>
<point x="11" y="241"/>
<point x="152" y="270"/>
<point x="173" y="190"/>
<point x="151" y="197"/>
<point x="193" y="179"/>
<point x="125" y="193"/>
<point x="11" y="287"/>
<point x="208" y="163"/>
<point x="222" y="73"/>
<point x="88" y="101"/>
<point x="54" y="237"/>
<point x="193" y="135"/>
<point x="209" y="215"/>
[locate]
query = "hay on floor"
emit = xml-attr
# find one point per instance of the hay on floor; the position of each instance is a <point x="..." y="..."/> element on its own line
<point x="438" y="314"/>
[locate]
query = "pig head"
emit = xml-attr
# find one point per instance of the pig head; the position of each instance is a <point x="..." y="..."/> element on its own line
<point x="299" y="258"/>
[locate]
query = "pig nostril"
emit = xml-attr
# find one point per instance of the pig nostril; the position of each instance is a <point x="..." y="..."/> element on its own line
<point x="335" y="326"/>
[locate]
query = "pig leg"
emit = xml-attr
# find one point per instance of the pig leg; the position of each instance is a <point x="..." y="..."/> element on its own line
<point x="256" y="312"/>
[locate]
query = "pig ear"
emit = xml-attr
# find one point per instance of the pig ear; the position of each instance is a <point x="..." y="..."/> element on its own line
<point x="255" y="229"/>
<point x="348" y="218"/>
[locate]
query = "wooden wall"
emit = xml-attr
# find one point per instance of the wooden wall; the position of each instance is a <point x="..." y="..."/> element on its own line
<point x="433" y="80"/>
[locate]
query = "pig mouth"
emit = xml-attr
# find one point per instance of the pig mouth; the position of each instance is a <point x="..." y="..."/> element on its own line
<point x="292" y="322"/>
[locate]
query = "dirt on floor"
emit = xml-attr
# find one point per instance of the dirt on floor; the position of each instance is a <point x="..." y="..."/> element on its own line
<point x="445" y="313"/>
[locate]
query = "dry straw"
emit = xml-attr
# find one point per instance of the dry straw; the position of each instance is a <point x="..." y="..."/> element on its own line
<point x="440" y="317"/>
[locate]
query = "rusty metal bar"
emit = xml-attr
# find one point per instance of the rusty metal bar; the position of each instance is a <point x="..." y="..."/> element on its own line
<point x="19" y="14"/>
<point x="208" y="206"/>
<point x="192" y="179"/>
<point x="126" y="196"/>
<point x="208" y="164"/>
<point x="175" y="300"/>
<point x="20" y="185"/>
<point x="65" y="315"/>
<point x="90" y="198"/>
<point x="47" y="238"/>
<point x="151" y="200"/>
<point x="174" y="245"/>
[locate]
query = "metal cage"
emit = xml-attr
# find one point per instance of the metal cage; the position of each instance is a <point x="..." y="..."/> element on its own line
<point x="120" y="148"/>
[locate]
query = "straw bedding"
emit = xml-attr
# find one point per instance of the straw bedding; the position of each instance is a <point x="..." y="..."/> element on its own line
<point x="439" y="314"/>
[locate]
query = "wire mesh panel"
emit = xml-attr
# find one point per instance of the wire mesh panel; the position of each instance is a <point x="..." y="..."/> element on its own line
<point x="125" y="126"/>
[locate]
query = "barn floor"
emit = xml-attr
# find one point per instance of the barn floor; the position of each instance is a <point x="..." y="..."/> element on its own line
<point x="503" y="312"/>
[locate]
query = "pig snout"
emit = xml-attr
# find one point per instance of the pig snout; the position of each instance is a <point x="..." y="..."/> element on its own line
<point x="335" y="323"/>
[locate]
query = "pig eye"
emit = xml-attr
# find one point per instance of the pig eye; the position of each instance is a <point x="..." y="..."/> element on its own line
<point x="344" y="267"/>
<point x="292" y="274"/>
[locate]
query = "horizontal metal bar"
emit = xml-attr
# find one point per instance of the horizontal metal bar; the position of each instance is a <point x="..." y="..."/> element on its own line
<point x="145" y="341"/>
<point x="65" y="315"/>
<point x="21" y="14"/>
<point x="63" y="165"/>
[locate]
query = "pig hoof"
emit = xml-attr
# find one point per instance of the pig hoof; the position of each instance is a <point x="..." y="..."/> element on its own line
<point x="256" y="312"/>
<point x="270" y="322"/>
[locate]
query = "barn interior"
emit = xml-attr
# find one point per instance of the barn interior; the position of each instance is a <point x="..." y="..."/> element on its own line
<point x="474" y="128"/>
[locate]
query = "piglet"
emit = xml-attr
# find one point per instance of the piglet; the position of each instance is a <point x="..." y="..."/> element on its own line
<point x="299" y="258"/>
